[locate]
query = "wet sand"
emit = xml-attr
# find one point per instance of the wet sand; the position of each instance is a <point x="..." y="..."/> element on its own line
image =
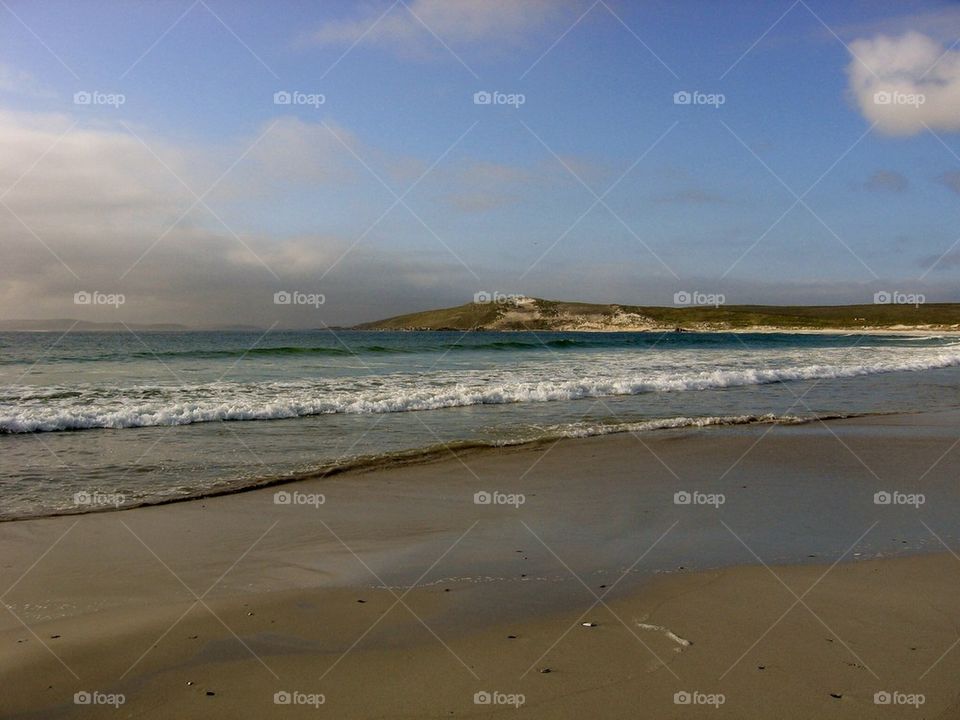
<point x="782" y="587"/>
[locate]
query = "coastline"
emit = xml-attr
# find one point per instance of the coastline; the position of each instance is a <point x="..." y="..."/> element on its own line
<point x="280" y="584"/>
<point x="949" y="330"/>
<point x="442" y="451"/>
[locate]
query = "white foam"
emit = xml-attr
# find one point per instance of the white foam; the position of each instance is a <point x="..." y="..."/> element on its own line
<point x="25" y="409"/>
<point x="669" y="634"/>
<point x="577" y="430"/>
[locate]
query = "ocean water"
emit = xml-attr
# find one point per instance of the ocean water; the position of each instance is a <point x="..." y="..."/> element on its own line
<point x="89" y="420"/>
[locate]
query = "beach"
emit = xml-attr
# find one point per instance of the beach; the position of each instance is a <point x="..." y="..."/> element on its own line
<point x="426" y="359"/>
<point x="735" y="571"/>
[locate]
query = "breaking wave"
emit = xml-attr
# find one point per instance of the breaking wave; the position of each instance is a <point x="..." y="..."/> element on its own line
<point x="25" y="409"/>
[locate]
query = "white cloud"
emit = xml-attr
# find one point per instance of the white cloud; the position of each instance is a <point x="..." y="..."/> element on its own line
<point x="455" y="21"/>
<point x="904" y="83"/>
<point x="13" y="80"/>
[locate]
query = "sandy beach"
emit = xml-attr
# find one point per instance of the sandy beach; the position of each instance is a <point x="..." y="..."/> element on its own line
<point x="776" y="582"/>
<point x="422" y="359"/>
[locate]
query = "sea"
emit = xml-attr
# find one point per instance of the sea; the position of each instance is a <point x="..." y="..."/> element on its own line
<point x="96" y="420"/>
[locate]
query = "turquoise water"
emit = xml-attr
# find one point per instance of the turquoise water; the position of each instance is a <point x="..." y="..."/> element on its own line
<point x="151" y="416"/>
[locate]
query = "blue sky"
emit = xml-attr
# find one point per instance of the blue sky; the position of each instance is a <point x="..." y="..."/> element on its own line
<point x="704" y="197"/>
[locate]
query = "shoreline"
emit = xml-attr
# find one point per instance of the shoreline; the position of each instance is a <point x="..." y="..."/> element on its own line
<point x="441" y="451"/>
<point x="243" y="598"/>
<point x="949" y="330"/>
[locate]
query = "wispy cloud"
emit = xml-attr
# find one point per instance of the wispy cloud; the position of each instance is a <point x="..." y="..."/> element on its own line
<point x="21" y="82"/>
<point x="692" y="196"/>
<point x="411" y="26"/>
<point x="950" y="180"/>
<point x="886" y="180"/>
<point x="941" y="262"/>
<point x="486" y="186"/>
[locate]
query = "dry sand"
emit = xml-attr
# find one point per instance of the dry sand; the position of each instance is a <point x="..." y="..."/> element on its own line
<point x="797" y="597"/>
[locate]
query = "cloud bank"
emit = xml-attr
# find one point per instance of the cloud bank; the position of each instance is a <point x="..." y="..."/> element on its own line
<point x="93" y="209"/>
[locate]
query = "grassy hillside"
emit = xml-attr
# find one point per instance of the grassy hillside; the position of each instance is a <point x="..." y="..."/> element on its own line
<point x="461" y="317"/>
<point x="552" y="314"/>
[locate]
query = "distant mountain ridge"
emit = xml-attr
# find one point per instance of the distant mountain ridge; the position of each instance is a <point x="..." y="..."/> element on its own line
<point x="528" y="313"/>
<point x="65" y="324"/>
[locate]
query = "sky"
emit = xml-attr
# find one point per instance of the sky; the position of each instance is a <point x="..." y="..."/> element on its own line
<point x="187" y="160"/>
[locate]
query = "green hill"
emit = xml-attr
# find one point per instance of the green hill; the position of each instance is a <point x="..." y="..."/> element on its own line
<point x="538" y="314"/>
